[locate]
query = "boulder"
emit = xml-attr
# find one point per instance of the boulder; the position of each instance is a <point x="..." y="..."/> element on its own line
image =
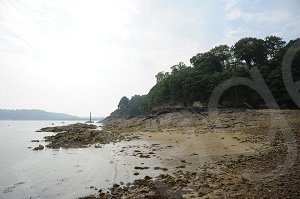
<point x="40" y="147"/>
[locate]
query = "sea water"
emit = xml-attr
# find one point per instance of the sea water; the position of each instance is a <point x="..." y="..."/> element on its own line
<point x="58" y="173"/>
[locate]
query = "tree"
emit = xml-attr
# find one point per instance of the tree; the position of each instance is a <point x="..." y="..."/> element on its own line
<point x="206" y="63"/>
<point x="222" y="53"/>
<point x="251" y="50"/>
<point x="273" y="45"/>
<point x="277" y="60"/>
<point x="186" y="85"/>
<point x="178" y="67"/>
<point x="134" y="105"/>
<point x="123" y="104"/>
<point x="161" y="75"/>
<point x="296" y="66"/>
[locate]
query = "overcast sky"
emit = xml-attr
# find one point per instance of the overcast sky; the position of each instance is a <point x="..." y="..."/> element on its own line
<point x="77" y="56"/>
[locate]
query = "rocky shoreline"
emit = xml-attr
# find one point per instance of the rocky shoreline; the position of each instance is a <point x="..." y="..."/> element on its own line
<point x="234" y="150"/>
<point x="225" y="177"/>
<point x="79" y="135"/>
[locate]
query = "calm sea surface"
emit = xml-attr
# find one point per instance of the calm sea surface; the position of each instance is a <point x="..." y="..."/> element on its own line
<point x="63" y="173"/>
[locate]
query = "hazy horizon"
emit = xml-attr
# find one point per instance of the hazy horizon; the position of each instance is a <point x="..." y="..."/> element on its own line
<point x="19" y="114"/>
<point x="77" y="57"/>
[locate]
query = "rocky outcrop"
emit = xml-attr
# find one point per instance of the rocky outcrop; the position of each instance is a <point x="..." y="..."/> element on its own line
<point x="79" y="135"/>
<point x="78" y="127"/>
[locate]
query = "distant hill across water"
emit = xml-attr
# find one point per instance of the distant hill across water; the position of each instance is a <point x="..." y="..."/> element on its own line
<point x="34" y="114"/>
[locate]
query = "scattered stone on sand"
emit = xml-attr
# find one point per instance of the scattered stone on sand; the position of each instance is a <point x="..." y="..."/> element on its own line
<point x="40" y="147"/>
<point x="207" y="183"/>
<point x="35" y="141"/>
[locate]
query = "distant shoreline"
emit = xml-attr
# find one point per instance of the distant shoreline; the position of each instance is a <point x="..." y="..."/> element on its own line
<point x="37" y="114"/>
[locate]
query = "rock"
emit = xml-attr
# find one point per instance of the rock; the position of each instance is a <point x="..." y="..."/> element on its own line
<point x="79" y="136"/>
<point x="144" y="156"/>
<point x="114" y="191"/>
<point x="141" y="168"/>
<point x="160" y="168"/>
<point x="144" y="190"/>
<point x="40" y="147"/>
<point x="151" y="194"/>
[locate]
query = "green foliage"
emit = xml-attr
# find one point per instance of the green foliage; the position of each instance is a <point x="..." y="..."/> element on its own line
<point x="273" y="45"/>
<point x="178" y="67"/>
<point x="222" y="53"/>
<point x="123" y="103"/>
<point x="251" y="50"/>
<point x="185" y="85"/>
<point x="206" y="63"/>
<point x="161" y="75"/>
<point x="296" y="67"/>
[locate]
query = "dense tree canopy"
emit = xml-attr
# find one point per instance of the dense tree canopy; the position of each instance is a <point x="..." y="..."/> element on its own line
<point x="251" y="50"/>
<point x="123" y="103"/>
<point x="161" y="75"/>
<point x="273" y="45"/>
<point x="186" y="85"/>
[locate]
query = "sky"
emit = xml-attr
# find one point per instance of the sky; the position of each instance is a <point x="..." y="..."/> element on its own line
<point x="77" y="56"/>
